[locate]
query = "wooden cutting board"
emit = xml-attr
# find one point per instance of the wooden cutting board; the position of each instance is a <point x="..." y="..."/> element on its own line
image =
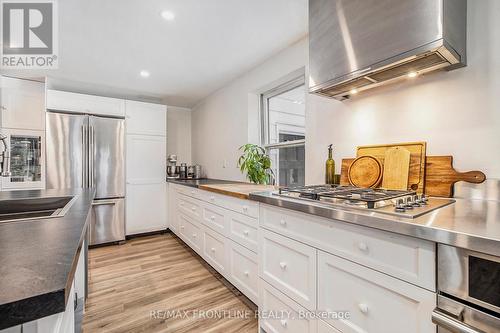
<point x="365" y="171"/>
<point x="396" y="168"/>
<point x="416" y="174"/>
<point x="440" y="176"/>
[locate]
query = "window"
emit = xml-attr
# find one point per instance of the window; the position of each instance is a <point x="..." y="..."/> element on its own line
<point x="283" y="131"/>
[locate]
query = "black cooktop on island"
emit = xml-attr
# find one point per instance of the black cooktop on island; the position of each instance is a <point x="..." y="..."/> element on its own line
<point x="393" y="202"/>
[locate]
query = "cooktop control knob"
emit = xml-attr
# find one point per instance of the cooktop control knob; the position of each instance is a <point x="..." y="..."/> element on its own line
<point x="416" y="201"/>
<point x="409" y="202"/>
<point x="423" y="199"/>
<point x="400" y="206"/>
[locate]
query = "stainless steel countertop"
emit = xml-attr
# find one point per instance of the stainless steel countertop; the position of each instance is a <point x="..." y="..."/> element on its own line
<point x="469" y="223"/>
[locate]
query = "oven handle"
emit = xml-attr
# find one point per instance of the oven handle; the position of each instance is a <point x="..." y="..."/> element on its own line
<point x="444" y="320"/>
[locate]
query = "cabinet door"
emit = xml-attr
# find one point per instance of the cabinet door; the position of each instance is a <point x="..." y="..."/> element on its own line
<point x="146" y="118"/>
<point x="27" y="162"/>
<point x="146" y="159"/>
<point x="82" y="103"/>
<point x="22" y="104"/>
<point x="172" y="221"/>
<point x="145" y="208"/>
<point x="146" y="186"/>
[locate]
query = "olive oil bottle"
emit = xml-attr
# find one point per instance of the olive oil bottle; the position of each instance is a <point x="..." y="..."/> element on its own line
<point x="330" y="167"/>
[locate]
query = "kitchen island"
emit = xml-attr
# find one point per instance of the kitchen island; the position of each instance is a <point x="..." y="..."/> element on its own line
<point x="39" y="257"/>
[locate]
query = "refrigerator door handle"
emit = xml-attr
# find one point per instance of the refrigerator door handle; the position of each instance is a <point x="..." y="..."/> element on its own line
<point x="84" y="157"/>
<point x="91" y="153"/>
<point x="104" y="203"/>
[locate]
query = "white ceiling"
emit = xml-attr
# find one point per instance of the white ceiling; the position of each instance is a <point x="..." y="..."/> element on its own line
<point x="105" y="44"/>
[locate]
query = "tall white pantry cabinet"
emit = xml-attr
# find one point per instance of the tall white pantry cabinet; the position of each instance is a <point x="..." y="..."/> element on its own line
<point x="146" y="142"/>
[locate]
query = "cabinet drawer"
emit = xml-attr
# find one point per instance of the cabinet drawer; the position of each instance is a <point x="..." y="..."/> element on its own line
<point x="214" y="249"/>
<point x="325" y="328"/>
<point x="190" y="232"/>
<point x="242" y="206"/>
<point x="244" y="230"/>
<point x="285" y="313"/>
<point x="404" y="257"/>
<point x="376" y="302"/>
<point x="189" y="206"/>
<point x="244" y="270"/>
<point x="188" y="191"/>
<point x="214" y="217"/>
<point x="289" y="266"/>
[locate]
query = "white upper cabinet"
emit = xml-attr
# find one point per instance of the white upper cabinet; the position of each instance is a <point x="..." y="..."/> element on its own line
<point x="146" y="118"/>
<point x="22" y="104"/>
<point x="81" y="103"/>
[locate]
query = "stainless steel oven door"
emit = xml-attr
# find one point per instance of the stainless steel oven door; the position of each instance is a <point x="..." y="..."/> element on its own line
<point x="454" y="317"/>
<point x="470" y="276"/>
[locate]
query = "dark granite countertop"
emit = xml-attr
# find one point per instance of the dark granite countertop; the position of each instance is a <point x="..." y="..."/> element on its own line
<point x="203" y="181"/>
<point x="38" y="258"/>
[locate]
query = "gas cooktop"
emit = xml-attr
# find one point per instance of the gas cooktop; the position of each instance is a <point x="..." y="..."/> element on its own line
<point x="399" y="203"/>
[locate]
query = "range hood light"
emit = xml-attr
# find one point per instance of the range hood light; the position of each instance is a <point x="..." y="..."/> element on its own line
<point x="412" y="74"/>
<point x="354" y="91"/>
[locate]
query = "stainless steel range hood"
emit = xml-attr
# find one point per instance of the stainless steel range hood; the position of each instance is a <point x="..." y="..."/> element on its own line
<point x="356" y="45"/>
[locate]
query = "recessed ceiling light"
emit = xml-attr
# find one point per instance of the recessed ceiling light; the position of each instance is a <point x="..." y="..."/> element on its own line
<point x="167" y="15"/>
<point x="354" y="91"/>
<point x="144" y="73"/>
<point x="412" y="74"/>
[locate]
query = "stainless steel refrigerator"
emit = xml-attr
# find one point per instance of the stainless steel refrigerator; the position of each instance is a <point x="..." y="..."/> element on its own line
<point x="89" y="151"/>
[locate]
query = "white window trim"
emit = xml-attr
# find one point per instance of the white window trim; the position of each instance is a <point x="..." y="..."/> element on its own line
<point x="294" y="83"/>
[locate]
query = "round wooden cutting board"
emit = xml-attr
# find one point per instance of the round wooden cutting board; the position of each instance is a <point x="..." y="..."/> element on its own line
<point x="365" y="171"/>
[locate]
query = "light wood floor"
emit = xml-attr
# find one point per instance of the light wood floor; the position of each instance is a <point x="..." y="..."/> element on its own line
<point x="132" y="286"/>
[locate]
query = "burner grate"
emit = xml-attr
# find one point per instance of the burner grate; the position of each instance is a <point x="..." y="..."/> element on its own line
<point x="349" y="194"/>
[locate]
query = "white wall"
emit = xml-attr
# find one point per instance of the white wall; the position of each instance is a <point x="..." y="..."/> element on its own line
<point x="457" y="112"/>
<point x="179" y="133"/>
<point x="229" y="118"/>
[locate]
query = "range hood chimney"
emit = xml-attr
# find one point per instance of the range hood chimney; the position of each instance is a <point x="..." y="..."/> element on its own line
<point x="356" y="45"/>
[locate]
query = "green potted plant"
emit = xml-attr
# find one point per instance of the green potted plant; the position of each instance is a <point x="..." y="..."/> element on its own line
<point x="256" y="163"/>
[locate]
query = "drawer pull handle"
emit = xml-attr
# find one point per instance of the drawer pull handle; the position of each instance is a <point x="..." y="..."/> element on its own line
<point x="363" y="247"/>
<point x="283" y="322"/>
<point x="212" y="198"/>
<point x="212" y="249"/>
<point x="245" y="232"/>
<point x="247" y="273"/>
<point x="245" y="209"/>
<point x="194" y="235"/>
<point x="283" y="222"/>
<point x="363" y="308"/>
<point x="283" y="265"/>
<point x="212" y="218"/>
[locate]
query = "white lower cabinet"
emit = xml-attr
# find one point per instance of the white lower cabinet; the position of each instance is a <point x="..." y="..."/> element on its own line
<point x="190" y="231"/>
<point x="215" y="249"/>
<point x="325" y="328"/>
<point x="376" y="302"/>
<point x="243" y="270"/>
<point x="281" y="314"/>
<point x="289" y="266"/>
<point x="172" y="218"/>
